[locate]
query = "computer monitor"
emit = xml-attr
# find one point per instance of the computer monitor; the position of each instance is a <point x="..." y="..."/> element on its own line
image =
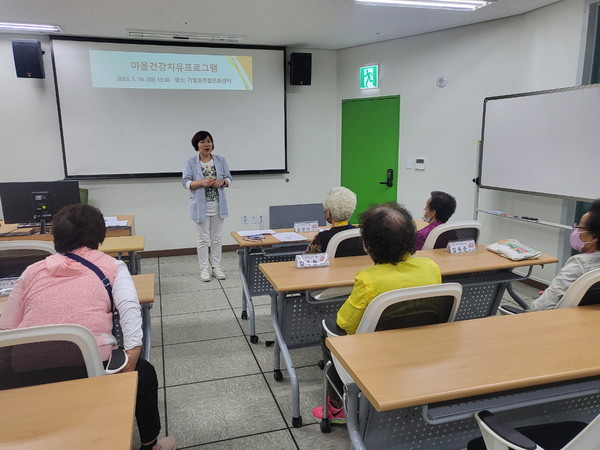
<point x="36" y="201"/>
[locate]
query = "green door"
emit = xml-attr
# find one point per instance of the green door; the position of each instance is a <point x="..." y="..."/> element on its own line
<point x="370" y="134"/>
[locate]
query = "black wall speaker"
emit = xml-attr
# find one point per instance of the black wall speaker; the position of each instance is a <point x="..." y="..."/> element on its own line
<point x="28" y="58"/>
<point x="300" y="68"/>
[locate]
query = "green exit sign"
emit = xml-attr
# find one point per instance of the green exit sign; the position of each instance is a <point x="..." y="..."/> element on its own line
<point x="369" y="77"/>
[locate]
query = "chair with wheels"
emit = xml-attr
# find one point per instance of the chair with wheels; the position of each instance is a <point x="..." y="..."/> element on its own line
<point x="461" y="230"/>
<point x="48" y="353"/>
<point x="585" y="290"/>
<point x="400" y="308"/>
<point x="16" y="255"/>
<point x="572" y="435"/>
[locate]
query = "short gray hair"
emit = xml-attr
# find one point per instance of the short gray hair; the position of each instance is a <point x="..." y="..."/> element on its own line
<point x="341" y="203"/>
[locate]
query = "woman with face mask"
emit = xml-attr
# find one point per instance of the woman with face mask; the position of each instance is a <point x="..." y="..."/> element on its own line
<point x="438" y="210"/>
<point x="585" y="238"/>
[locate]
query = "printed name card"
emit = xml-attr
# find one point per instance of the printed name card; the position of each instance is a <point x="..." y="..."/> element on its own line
<point x="461" y="246"/>
<point x="305" y="227"/>
<point x="312" y="260"/>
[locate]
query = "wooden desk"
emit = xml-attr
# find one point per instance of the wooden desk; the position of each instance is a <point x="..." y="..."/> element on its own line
<point x="296" y="321"/>
<point x="285" y="277"/>
<point x="91" y="413"/>
<point x="145" y="286"/>
<point x="10" y="231"/>
<point x="400" y="369"/>
<point x="118" y="245"/>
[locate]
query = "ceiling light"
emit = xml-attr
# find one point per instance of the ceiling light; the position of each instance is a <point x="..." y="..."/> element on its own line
<point x="458" y="5"/>
<point x="29" y="27"/>
<point x="202" y="37"/>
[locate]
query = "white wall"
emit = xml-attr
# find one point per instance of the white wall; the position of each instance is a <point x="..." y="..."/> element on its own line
<point x="31" y="150"/>
<point x="535" y="51"/>
<point x="538" y="50"/>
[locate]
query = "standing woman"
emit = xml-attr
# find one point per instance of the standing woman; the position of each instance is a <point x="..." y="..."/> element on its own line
<point x="206" y="176"/>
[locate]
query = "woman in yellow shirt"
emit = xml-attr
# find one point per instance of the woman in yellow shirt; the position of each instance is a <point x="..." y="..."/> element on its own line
<point x="389" y="234"/>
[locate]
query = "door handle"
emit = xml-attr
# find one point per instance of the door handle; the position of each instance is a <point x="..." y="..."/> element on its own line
<point x="389" y="178"/>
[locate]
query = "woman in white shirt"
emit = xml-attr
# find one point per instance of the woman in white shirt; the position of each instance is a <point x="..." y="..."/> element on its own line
<point x="585" y="238"/>
<point x="206" y="176"/>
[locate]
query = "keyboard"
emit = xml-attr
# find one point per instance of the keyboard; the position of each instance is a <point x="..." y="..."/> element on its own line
<point x="31" y="224"/>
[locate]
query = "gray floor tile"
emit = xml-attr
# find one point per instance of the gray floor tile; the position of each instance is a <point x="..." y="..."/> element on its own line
<point x="234" y="294"/>
<point x="200" y="326"/>
<point x="310" y="380"/>
<point x="262" y="319"/>
<point x="155" y="310"/>
<point x="186" y="283"/>
<point x="224" y="409"/>
<point x="280" y="440"/>
<point x="192" y="302"/>
<point x="310" y="437"/>
<point x="208" y="360"/>
<point x="180" y="267"/>
<point x="301" y="357"/>
<point x="149" y="265"/>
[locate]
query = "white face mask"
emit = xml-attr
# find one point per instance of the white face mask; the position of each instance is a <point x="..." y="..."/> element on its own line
<point x="425" y="218"/>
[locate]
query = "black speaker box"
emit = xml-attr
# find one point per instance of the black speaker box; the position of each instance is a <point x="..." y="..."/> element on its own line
<point x="300" y="68"/>
<point x="28" y="58"/>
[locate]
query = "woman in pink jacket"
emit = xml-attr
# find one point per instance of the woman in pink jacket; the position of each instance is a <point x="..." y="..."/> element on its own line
<point x="61" y="290"/>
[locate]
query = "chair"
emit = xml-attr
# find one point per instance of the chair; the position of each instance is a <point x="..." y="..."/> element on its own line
<point x="16" y="255"/>
<point x="585" y="290"/>
<point x="49" y="349"/>
<point x="400" y="308"/>
<point x="342" y="244"/>
<point x="284" y="216"/>
<point x="345" y="243"/>
<point x="496" y="435"/>
<point x="460" y="230"/>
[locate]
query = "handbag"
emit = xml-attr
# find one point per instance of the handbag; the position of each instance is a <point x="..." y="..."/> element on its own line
<point x="118" y="357"/>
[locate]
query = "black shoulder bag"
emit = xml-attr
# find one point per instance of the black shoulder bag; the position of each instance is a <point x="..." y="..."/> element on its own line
<point x="118" y="357"/>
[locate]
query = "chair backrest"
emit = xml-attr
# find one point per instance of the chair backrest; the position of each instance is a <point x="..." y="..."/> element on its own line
<point x="410" y="307"/>
<point x="461" y="230"/>
<point x="585" y="290"/>
<point x="345" y="243"/>
<point x="49" y="349"/>
<point x="16" y="255"/>
<point x="284" y="216"/>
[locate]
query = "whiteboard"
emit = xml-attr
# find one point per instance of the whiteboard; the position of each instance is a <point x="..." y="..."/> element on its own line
<point x="130" y="108"/>
<point x="545" y="142"/>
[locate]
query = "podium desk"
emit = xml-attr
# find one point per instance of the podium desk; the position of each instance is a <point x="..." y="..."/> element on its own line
<point x="297" y="319"/>
<point x="145" y="287"/>
<point x="10" y="231"/>
<point x="423" y="384"/>
<point x="90" y="413"/>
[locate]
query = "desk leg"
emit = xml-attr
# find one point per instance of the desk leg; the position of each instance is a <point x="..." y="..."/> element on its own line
<point x="247" y="303"/>
<point x="147" y="329"/>
<point x="279" y="349"/>
<point x="352" y="408"/>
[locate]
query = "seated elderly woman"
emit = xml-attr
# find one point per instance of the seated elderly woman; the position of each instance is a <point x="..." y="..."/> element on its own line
<point x="339" y="205"/>
<point x="438" y="210"/>
<point x="61" y="290"/>
<point x="388" y="232"/>
<point x="585" y="238"/>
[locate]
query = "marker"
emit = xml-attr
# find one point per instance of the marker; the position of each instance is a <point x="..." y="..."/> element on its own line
<point x="535" y="219"/>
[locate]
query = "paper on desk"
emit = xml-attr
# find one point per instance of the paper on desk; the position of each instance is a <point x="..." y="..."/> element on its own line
<point x="245" y="233"/>
<point x="289" y="236"/>
<point x="112" y="221"/>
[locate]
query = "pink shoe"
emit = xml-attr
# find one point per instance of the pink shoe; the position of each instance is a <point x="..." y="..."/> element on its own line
<point x="335" y="415"/>
<point x="166" y="443"/>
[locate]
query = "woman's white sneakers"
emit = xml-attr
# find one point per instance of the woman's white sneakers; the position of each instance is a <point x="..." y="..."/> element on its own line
<point x="204" y="275"/>
<point x="218" y="273"/>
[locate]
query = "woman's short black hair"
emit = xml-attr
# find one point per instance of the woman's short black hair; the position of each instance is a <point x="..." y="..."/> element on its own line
<point x="443" y="204"/>
<point x="388" y="233"/>
<point x="592" y="225"/>
<point x="200" y="136"/>
<point x="77" y="225"/>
